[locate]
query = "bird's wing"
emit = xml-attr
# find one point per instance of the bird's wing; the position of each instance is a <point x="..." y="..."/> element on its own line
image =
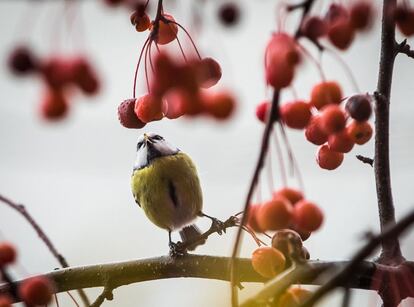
<point x="134" y="191"/>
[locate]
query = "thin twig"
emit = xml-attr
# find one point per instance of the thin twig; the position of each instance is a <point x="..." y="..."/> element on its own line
<point x="105" y="295"/>
<point x="365" y="160"/>
<point x="404" y="48"/>
<point x="42" y="235"/>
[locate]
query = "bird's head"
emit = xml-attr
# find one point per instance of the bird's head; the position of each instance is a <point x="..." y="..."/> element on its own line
<point x="151" y="146"/>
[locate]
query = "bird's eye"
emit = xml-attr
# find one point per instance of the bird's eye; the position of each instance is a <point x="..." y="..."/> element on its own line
<point x="157" y="137"/>
<point x="139" y="145"/>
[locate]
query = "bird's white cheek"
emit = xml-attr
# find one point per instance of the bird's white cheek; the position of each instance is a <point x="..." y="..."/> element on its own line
<point x="141" y="159"/>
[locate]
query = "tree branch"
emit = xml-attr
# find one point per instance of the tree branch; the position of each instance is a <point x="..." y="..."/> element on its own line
<point x="405" y="48"/>
<point x="42" y="235"/>
<point x="114" y="275"/>
<point x="391" y="252"/>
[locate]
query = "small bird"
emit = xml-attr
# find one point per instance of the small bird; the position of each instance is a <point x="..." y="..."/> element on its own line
<point x="166" y="186"/>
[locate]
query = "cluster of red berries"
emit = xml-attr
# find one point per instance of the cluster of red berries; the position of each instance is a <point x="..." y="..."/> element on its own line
<point x="60" y="75"/>
<point x="340" y="23"/>
<point x="35" y="291"/>
<point x="286" y="210"/>
<point x="404" y="18"/>
<point x="176" y="90"/>
<point x="325" y="122"/>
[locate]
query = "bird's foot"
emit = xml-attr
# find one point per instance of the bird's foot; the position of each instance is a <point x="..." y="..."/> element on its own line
<point x="177" y="249"/>
<point x="216" y="224"/>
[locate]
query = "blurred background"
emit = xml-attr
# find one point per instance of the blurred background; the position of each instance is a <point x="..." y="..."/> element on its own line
<point x="73" y="176"/>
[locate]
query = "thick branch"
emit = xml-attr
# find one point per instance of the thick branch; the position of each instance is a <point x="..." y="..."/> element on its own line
<point x="391" y="252"/>
<point x="113" y="275"/>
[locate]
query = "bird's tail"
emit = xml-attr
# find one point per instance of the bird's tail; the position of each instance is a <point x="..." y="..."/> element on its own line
<point x="190" y="234"/>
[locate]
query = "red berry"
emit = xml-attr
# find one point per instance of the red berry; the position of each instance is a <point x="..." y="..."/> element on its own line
<point x="340" y="142"/>
<point x="5" y="301"/>
<point x="164" y="69"/>
<point x="176" y="103"/>
<point x="36" y="290"/>
<point x="335" y="13"/>
<point x="167" y="31"/>
<point x="21" y="61"/>
<point x="275" y="214"/>
<point x="288" y="242"/>
<point x="229" y="14"/>
<point x="359" y="107"/>
<point x="314" y="27"/>
<point x="268" y="261"/>
<point x="333" y="119"/>
<point x="148" y="108"/>
<point x="341" y="34"/>
<point x="307" y="216"/>
<point x="294" y="297"/>
<point x="304" y="235"/>
<point x="404" y="17"/>
<point x="54" y="105"/>
<point x="262" y="110"/>
<point x="281" y="56"/>
<point x="296" y="114"/>
<point x="329" y="159"/>
<point x="7" y="254"/>
<point x="292" y="195"/>
<point x="113" y="2"/>
<point x="57" y="72"/>
<point x="219" y="105"/>
<point x="127" y="116"/>
<point x="314" y="133"/>
<point x="325" y="93"/>
<point x="209" y="72"/>
<point x="252" y="218"/>
<point x="83" y="75"/>
<point x="361" y="14"/>
<point x="359" y="132"/>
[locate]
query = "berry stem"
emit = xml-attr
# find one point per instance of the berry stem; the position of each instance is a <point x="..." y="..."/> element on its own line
<point x="137" y="67"/>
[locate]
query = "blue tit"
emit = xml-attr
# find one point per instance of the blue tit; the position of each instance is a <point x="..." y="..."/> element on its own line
<point x="166" y="186"/>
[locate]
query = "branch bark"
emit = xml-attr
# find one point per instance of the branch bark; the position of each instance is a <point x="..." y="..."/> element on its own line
<point x="391" y="252"/>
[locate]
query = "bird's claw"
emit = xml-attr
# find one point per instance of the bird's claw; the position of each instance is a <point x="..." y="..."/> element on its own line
<point x="176" y="249"/>
<point x="219" y="225"/>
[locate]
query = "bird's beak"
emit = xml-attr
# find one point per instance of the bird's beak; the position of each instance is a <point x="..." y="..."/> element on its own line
<point x="147" y="139"/>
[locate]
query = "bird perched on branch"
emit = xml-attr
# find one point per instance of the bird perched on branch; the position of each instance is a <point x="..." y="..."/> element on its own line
<point x="165" y="185"/>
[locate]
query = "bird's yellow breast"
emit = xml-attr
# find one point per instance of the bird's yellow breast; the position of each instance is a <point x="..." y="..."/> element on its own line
<point x="168" y="190"/>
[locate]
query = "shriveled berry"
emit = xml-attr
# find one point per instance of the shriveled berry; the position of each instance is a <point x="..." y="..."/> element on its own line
<point x="167" y="30"/>
<point x="307" y="216"/>
<point x="141" y="21"/>
<point x="7" y="254"/>
<point x="148" y="108"/>
<point x="5" y="301"/>
<point x="294" y="297"/>
<point x="229" y="14"/>
<point x="359" y="107"/>
<point x="209" y="72"/>
<point x="314" y="133"/>
<point x="288" y="242"/>
<point x="275" y="214"/>
<point x="325" y="93"/>
<point x="359" y="132"/>
<point x="302" y="233"/>
<point x="341" y="34"/>
<point x="127" y="116"/>
<point x="220" y="105"/>
<point x="341" y="142"/>
<point x="36" y="290"/>
<point x="333" y="119"/>
<point x="268" y="261"/>
<point x="54" y="105"/>
<point x="296" y="114"/>
<point x="404" y="18"/>
<point x="262" y="110"/>
<point x="361" y="15"/>
<point x="329" y="159"/>
<point x="292" y="195"/>
<point x="314" y="27"/>
<point x="21" y="61"/>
